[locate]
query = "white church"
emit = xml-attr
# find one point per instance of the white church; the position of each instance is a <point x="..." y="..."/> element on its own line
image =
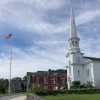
<point x="79" y="67"/>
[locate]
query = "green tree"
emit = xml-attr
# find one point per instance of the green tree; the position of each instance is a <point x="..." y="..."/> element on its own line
<point x="65" y="87"/>
<point x="6" y="84"/>
<point x="23" y="85"/>
<point x="76" y="83"/>
<point x="2" y="90"/>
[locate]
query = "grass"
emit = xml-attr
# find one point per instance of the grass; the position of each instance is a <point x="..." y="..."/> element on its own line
<point x="73" y="97"/>
<point x="11" y="94"/>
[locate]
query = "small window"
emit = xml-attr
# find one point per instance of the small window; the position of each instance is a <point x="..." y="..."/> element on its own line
<point x="86" y="73"/>
<point x="63" y="81"/>
<point x="78" y="73"/>
<point x="45" y="80"/>
<point x="55" y="81"/>
<point x="37" y="80"/>
<point x="73" y="43"/>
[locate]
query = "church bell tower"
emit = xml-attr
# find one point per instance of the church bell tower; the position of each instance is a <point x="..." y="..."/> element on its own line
<point x="73" y="40"/>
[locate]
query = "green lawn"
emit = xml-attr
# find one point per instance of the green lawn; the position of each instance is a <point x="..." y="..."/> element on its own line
<point x="73" y="97"/>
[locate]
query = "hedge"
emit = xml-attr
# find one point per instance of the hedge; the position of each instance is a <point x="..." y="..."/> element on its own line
<point x="74" y="91"/>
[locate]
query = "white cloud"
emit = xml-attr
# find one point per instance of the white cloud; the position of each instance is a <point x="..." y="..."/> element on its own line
<point x="24" y="62"/>
<point x="87" y="16"/>
<point x="51" y="42"/>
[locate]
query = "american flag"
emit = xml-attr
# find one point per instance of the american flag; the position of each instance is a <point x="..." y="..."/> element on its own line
<point x="8" y="36"/>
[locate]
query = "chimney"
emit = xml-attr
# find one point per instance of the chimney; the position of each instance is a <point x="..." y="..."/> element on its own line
<point x="58" y="72"/>
<point x="49" y="71"/>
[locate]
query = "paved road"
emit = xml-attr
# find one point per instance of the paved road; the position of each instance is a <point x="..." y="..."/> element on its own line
<point x="13" y="97"/>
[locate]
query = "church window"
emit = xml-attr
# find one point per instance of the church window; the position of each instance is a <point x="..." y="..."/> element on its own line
<point x="76" y="43"/>
<point x="69" y="62"/>
<point x="73" y="43"/>
<point x="77" y="59"/>
<point x="78" y="73"/>
<point x="88" y="71"/>
<point x="69" y="70"/>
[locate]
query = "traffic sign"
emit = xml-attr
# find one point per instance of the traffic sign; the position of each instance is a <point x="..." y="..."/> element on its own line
<point x="52" y="79"/>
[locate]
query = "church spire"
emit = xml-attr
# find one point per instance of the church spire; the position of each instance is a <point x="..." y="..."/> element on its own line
<point x="74" y="40"/>
<point x="73" y="31"/>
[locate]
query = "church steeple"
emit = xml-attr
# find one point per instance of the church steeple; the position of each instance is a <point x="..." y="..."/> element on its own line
<point x="74" y="40"/>
<point x="73" y="31"/>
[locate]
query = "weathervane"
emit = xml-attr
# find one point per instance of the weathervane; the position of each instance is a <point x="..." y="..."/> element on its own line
<point x="71" y="1"/>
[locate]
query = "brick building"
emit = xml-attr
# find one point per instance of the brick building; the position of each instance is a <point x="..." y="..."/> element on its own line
<point x="43" y="78"/>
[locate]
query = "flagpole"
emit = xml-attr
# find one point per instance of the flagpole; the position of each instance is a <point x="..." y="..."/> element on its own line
<point x="10" y="62"/>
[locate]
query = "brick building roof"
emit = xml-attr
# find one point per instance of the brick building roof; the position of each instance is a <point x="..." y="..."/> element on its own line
<point x="46" y="73"/>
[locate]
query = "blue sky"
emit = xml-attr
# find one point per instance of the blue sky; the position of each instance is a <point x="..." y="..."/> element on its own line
<point x="41" y="29"/>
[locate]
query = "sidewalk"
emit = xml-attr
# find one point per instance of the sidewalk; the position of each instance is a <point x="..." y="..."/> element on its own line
<point x="20" y="98"/>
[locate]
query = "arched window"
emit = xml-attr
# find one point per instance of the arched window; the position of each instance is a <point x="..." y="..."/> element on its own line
<point x="73" y="43"/>
<point x="76" y="43"/>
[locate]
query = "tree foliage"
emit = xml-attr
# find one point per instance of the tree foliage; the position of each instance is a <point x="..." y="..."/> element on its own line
<point x="6" y="84"/>
<point x="2" y="90"/>
<point x="61" y="70"/>
<point x="23" y="85"/>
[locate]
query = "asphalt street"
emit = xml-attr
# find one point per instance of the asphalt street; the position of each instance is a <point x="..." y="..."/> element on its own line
<point x="11" y="97"/>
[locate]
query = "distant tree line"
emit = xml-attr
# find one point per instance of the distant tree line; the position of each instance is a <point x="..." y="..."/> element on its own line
<point x="61" y="70"/>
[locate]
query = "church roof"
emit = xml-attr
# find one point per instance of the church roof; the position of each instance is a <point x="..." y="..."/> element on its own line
<point x="92" y="58"/>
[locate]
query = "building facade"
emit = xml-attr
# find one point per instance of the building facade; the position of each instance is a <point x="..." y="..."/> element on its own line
<point x="43" y="78"/>
<point x="79" y="67"/>
<point x="15" y="85"/>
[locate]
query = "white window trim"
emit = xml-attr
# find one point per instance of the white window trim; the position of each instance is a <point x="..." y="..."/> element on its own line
<point x="45" y="82"/>
<point x="55" y="82"/>
<point x="63" y="81"/>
